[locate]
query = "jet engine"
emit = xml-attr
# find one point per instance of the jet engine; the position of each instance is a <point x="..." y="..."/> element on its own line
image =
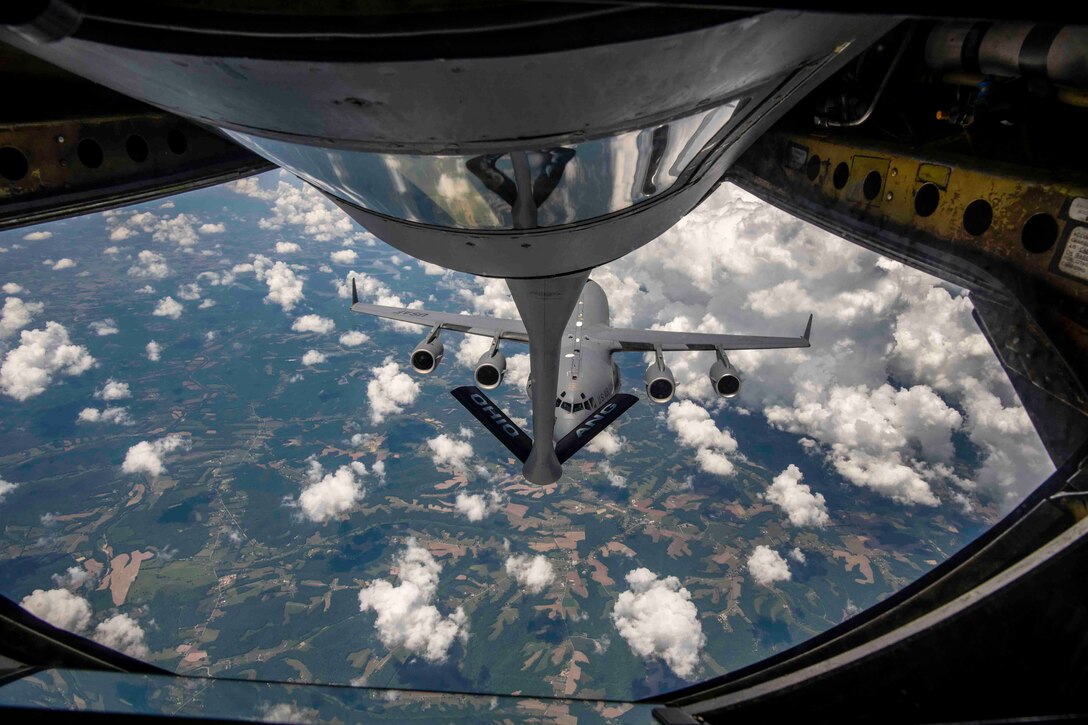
<point x="490" y="370"/>
<point x="725" y="378"/>
<point x="427" y="355"/>
<point x="660" y="384"/>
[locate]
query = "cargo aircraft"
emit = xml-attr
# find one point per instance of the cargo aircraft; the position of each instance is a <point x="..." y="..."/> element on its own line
<point x="587" y="383"/>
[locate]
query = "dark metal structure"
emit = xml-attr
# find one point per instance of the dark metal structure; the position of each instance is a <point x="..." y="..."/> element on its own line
<point x="951" y="145"/>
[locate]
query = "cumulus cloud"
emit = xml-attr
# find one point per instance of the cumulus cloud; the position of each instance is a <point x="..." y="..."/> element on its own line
<point x="17" y="314"/>
<point x="64" y="263"/>
<point x="303" y="206"/>
<point x="797" y="555"/>
<point x="288" y="712"/>
<point x="113" y="390"/>
<point x="284" y="287"/>
<point x="406" y="614"/>
<point x="658" y="620"/>
<point x="450" y="451"/>
<point x="328" y="495"/>
<point x="154" y="351"/>
<point x="149" y="265"/>
<point x="147" y="456"/>
<point x="354" y="338"/>
<point x="115" y="415"/>
<point x="695" y="428"/>
<point x="313" y="323"/>
<point x="344" y="256"/>
<point x="73" y="578"/>
<point x="118" y="234"/>
<point x="168" y="307"/>
<point x="122" y="633"/>
<point x="37" y="236"/>
<point x="390" y="391"/>
<point x="534" y="573"/>
<point x="615" y="478"/>
<point x="104" y="327"/>
<point x="6" y="487"/>
<point x="189" y="292"/>
<point x="767" y="566"/>
<point x="217" y="228"/>
<point x="607" y="442"/>
<point x="205" y="304"/>
<point x="475" y="506"/>
<point x="11" y="288"/>
<point x="313" y="357"/>
<point x="42" y="354"/>
<point x="287" y="248"/>
<point x="59" y="607"/>
<point x="803" y="507"/>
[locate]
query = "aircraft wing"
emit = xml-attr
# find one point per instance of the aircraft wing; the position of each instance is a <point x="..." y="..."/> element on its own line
<point x="646" y="340"/>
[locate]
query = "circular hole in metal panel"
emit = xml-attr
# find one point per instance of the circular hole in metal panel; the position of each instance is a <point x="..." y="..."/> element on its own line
<point x="13" y="164"/>
<point x="136" y="148"/>
<point x="842" y="175"/>
<point x="871" y="187"/>
<point x="1039" y="233"/>
<point x="812" y="170"/>
<point x="89" y="153"/>
<point x="177" y="142"/>
<point x="926" y="200"/>
<point x="977" y="217"/>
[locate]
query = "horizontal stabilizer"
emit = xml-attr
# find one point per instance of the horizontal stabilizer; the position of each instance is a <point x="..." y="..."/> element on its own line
<point x="572" y="442"/>
<point x="495" y="420"/>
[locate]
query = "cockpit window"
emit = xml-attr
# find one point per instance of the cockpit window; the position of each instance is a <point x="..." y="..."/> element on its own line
<point x="539" y="188"/>
<point x="567" y="407"/>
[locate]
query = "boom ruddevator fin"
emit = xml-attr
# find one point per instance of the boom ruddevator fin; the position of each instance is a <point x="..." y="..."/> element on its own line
<point x="495" y="420"/>
<point x="613" y="408"/>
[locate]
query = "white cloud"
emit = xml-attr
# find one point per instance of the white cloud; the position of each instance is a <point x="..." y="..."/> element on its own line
<point x="449" y="451"/>
<point x="344" y="256"/>
<point x="6" y="487"/>
<point x="287" y="248"/>
<point x="329" y="495"/>
<point x="767" y="566"/>
<point x="104" y="327"/>
<point x="17" y="314"/>
<point x="189" y="292"/>
<point x="119" y="234"/>
<point x="658" y="619"/>
<point x="607" y="442"/>
<point x="146" y="290"/>
<point x="614" y="477"/>
<point x="534" y="573"/>
<point x="205" y="304"/>
<point x="406" y="614"/>
<point x="147" y="456"/>
<point x="64" y="263"/>
<point x="302" y="206"/>
<point x="797" y="555"/>
<point x="354" y="338"/>
<point x="289" y="712"/>
<point x="218" y="228"/>
<point x="149" y="265"/>
<point x="475" y="506"/>
<point x="696" y="429"/>
<point x="113" y="390"/>
<point x="73" y="578"/>
<point x="313" y="357"/>
<point x="29" y="369"/>
<point x="37" y="236"/>
<point x="11" y="288"/>
<point x="178" y="230"/>
<point x="390" y="391"/>
<point x="154" y="351"/>
<point x="168" y="307"/>
<point x="59" y="607"/>
<point x="115" y="415"/>
<point x="122" y="633"/>
<point x="803" y="507"/>
<point x="284" y="287"/>
<point x="313" y="323"/>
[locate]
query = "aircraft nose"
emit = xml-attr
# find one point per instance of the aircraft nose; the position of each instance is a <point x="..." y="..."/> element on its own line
<point x="563" y="424"/>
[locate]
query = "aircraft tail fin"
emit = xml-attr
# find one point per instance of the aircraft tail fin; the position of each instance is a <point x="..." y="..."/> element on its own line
<point x="613" y="408"/>
<point x="495" y="420"/>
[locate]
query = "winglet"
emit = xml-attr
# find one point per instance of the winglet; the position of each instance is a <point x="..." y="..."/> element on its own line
<point x="354" y="293"/>
<point x="808" y="327"/>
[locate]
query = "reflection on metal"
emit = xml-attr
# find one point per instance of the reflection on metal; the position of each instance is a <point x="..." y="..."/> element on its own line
<point x="517" y="189"/>
<point x="54" y="169"/>
<point x="1008" y="235"/>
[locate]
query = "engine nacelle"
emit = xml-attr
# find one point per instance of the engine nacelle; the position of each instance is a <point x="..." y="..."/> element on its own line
<point x="660" y="384"/>
<point x="427" y="356"/>
<point x="490" y="370"/>
<point x="725" y="379"/>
